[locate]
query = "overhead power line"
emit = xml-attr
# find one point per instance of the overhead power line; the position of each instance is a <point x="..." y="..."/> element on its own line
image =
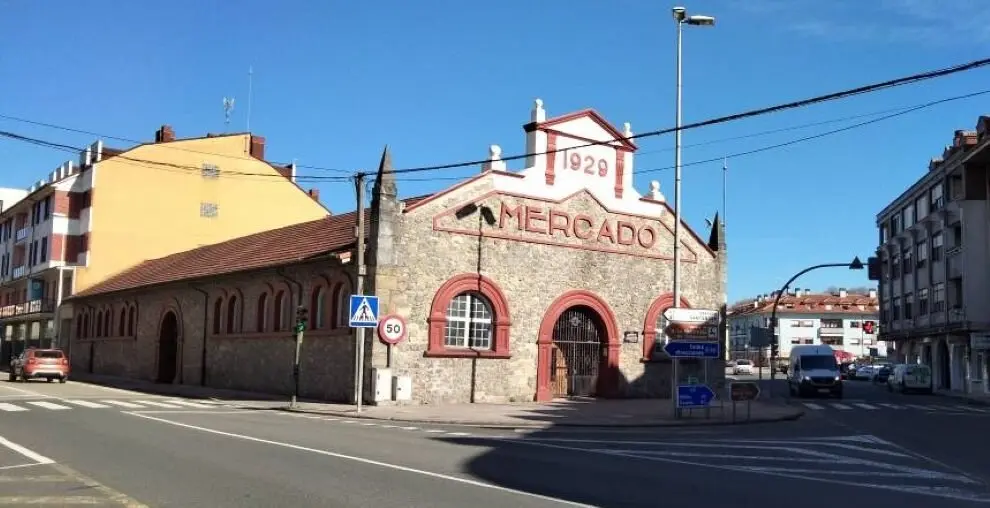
<point x="875" y="87"/>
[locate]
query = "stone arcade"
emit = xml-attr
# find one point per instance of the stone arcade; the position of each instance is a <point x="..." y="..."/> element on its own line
<point x="522" y="285"/>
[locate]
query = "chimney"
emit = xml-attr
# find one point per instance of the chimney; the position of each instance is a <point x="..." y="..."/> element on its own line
<point x="495" y="162"/>
<point x="842" y="292"/>
<point x="873" y="293"/>
<point x="536" y="140"/>
<point x="797" y="291"/>
<point x="164" y="134"/>
<point x="314" y="193"/>
<point x="257" y="147"/>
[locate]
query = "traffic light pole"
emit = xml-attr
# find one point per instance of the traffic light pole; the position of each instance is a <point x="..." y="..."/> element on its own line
<point x="361" y="271"/>
<point x="856" y="264"/>
<point x="300" y="327"/>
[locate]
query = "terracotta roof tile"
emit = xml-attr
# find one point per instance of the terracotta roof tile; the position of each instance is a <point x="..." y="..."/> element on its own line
<point x="810" y="304"/>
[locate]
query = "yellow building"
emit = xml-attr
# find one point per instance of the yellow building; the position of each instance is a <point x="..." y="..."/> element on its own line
<point x="113" y="209"/>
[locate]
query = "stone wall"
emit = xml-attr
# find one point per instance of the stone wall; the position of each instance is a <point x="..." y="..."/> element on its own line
<point x="531" y="276"/>
<point x="247" y="359"/>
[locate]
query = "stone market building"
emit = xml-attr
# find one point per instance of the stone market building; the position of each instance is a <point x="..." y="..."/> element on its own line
<point x="513" y="285"/>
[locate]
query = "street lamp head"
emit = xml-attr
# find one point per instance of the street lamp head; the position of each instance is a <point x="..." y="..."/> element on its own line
<point x="700" y="20"/>
<point x="679" y="13"/>
<point x="856" y="264"/>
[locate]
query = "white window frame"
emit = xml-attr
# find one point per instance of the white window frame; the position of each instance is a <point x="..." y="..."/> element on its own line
<point x="462" y="328"/>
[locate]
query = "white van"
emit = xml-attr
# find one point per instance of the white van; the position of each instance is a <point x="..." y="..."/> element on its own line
<point x="910" y="377"/>
<point x="814" y="370"/>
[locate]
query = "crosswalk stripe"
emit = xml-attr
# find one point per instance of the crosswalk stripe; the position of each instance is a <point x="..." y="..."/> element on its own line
<point x="86" y="403"/>
<point x="891" y="406"/>
<point x="836" y="405"/>
<point x="864" y="406"/>
<point x="48" y="405"/>
<point x="916" y="406"/>
<point x="121" y="403"/>
<point x="190" y="404"/>
<point x="10" y="408"/>
<point x="812" y="405"/>
<point x="973" y="409"/>
<point x="157" y="404"/>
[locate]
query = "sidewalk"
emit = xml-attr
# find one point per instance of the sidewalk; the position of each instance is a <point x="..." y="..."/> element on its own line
<point x="569" y="413"/>
<point x="969" y="398"/>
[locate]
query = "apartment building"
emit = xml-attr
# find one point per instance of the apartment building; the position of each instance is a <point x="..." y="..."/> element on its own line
<point x="934" y="240"/>
<point x="90" y="220"/>
<point x="833" y="319"/>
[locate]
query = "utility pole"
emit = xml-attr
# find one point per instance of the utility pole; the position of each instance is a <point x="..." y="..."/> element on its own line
<point x="301" y="319"/>
<point x="361" y="272"/>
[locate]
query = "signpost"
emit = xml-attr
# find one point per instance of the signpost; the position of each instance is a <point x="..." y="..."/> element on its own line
<point x="691" y="396"/>
<point x="391" y="331"/>
<point x="743" y="391"/>
<point x="363" y="314"/>
<point x="692" y="333"/>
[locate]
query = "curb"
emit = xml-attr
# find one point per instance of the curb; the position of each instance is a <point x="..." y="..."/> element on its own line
<point x="491" y="425"/>
<point x="964" y="400"/>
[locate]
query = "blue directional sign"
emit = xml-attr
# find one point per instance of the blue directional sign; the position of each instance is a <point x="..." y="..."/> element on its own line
<point x="364" y="311"/>
<point x="694" y="395"/>
<point x="690" y="349"/>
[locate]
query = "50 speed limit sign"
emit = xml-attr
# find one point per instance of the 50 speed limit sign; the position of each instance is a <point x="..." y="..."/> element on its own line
<point x="392" y="329"/>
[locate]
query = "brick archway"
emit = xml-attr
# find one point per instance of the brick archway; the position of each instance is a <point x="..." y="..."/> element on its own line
<point x="609" y="382"/>
<point x="661" y="304"/>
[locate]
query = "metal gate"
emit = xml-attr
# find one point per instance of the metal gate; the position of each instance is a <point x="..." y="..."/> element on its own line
<point x="577" y="354"/>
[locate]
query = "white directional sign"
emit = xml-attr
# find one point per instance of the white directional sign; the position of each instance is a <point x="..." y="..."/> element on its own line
<point x="682" y="315"/>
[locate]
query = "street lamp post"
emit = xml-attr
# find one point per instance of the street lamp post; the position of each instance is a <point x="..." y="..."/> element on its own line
<point x="856" y="264"/>
<point x="682" y="18"/>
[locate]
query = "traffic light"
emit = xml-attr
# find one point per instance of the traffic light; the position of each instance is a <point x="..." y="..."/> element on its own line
<point x="873" y="271"/>
<point x="869" y="327"/>
<point x="774" y="350"/>
<point x="302" y="317"/>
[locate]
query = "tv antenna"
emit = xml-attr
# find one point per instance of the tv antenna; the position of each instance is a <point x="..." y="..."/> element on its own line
<point x="250" y="94"/>
<point x="228" y="108"/>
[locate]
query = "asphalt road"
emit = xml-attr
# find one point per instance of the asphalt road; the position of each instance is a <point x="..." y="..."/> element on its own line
<point x="160" y="451"/>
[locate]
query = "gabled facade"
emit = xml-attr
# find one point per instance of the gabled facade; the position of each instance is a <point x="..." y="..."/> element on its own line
<point x="546" y="282"/>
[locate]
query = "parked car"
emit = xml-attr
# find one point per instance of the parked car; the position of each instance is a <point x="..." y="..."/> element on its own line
<point x="911" y="377"/>
<point x="743" y="367"/>
<point x="847" y="370"/>
<point x="48" y="364"/>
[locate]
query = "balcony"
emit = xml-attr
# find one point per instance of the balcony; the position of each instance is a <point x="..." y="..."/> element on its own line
<point x="831" y="332"/>
<point x="954" y="260"/>
<point x="22" y="234"/>
<point x="24" y="309"/>
<point x="19" y="271"/>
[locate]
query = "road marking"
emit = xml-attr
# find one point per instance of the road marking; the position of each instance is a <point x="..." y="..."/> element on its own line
<point x="890" y="406"/>
<point x="158" y="404"/>
<point x="812" y="405"/>
<point x="844" y="407"/>
<point x="10" y="407"/>
<point x="190" y="404"/>
<point x="34" y="479"/>
<point x="865" y="406"/>
<point x="48" y="405"/>
<point x="27" y="392"/>
<point x="435" y="431"/>
<point x="37" y="457"/>
<point x="123" y="404"/>
<point x="916" y="406"/>
<point x="50" y="500"/>
<point x="85" y="403"/>
<point x="970" y="408"/>
<point x="362" y="460"/>
<point x="459" y="434"/>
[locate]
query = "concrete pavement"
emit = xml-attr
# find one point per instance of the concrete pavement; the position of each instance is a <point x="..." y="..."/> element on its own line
<point x="224" y="456"/>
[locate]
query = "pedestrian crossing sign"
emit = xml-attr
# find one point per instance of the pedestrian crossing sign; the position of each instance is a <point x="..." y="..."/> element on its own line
<point x="364" y="311"/>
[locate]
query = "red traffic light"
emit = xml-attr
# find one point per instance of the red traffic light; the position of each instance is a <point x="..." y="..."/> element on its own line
<point x="869" y="327"/>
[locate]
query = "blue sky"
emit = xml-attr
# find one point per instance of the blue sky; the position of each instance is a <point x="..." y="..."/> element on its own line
<point x="438" y="81"/>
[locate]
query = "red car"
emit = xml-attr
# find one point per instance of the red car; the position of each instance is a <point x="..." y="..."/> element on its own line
<point x="49" y="364"/>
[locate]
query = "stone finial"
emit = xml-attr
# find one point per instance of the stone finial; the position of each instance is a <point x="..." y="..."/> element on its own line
<point x="655" y="193"/>
<point x="495" y="162"/>
<point x="539" y="114"/>
<point x="627" y="130"/>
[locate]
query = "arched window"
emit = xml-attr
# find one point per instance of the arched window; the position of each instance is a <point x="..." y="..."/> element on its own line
<point x="99" y="325"/>
<point x="217" y="315"/>
<point x="131" y="320"/>
<point x="317" y="308"/>
<point x="469" y="322"/>
<point x="655" y="327"/>
<point x="261" y="317"/>
<point x="279" y="311"/>
<point x="122" y="322"/>
<point x="342" y="305"/>
<point x="108" y="324"/>
<point x="79" y="327"/>
<point x="233" y="316"/>
<point x="85" y="332"/>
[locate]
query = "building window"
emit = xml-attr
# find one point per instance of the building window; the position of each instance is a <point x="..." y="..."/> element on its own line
<point x="908" y="216"/>
<point x="210" y="171"/>
<point x="233" y="314"/>
<point x="908" y="299"/>
<point x="469" y="322"/>
<point x="938" y="248"/>
<point x="923" y="302"/>
<point x="895" y="266"/>
<point x="280" y="311"/>
<point x="896" y="314"/>
<point x="262" y="315"/>
<point x="937" y="200"/>
<point x="131" y="320"/>
<point x="99" y="325"/>
<point x="217" y="315"/>
<point x="885" y="269"/>
<point x="208" y="210"/>
<point x="831" y="323"/>
<point x="921" y="208"/>
<point x="342" y="305"/>
<point x="122" y="322"/>
<point x="938" y="297"/>
<point x="895" y="224"/>
<point x="908" y="265"/>
<point x="922" y="254"/>
<point x="44" y="249"/>
<point x="317" y="308"/>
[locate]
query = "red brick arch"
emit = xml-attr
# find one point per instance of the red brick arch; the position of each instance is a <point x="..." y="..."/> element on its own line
<point x="437" y="319"/>
<point x="662" y="303"/>
<point x="608" y="384"/>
